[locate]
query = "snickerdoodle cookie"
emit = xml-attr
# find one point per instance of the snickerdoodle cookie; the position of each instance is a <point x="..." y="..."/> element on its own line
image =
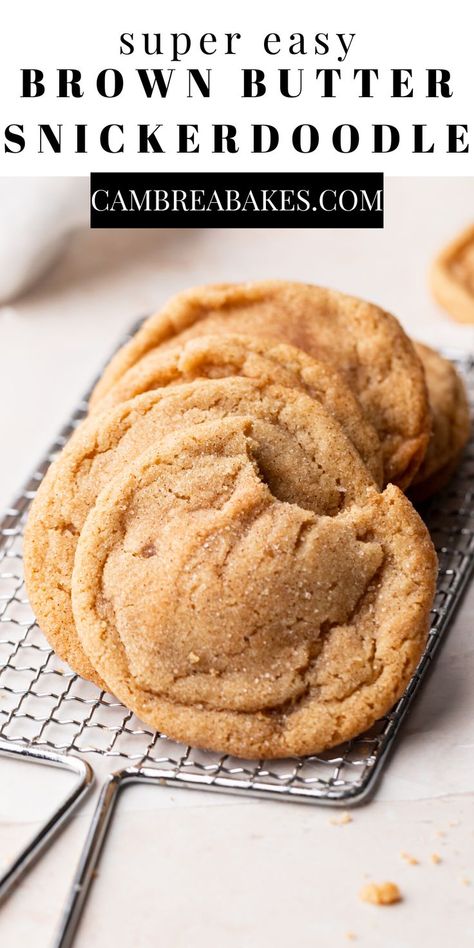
<point x="269" y="362"/>
<point x="452" y="277"/>
<point x="107" y="442"/>
<point x="268" y="622"/>
<point x="451" y="423"/>
<point x="366" y="344"/>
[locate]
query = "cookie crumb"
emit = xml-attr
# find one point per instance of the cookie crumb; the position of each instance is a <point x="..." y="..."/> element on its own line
<point x="411" y="860"/>
<point x="380" y="893"/>
<point x="436" y="858"/>
<point x="465" y="880"/>
<point x="342" y="819"/>
<point x="148" y="551"/>
<point x="440" y="833"/>
<point x="351" y="936"/>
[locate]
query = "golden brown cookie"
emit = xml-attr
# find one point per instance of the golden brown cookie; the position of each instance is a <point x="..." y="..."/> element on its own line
<point x="267" y="623"/>
<point x="106" y="443"/>
<point x="451" y="423"/>
<point x="269" y="362"/>
<point x="452" y="277"/>
<point x="367" y="345"/>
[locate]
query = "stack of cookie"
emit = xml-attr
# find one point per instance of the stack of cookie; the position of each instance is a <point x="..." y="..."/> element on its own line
<point x="225" y="542"/>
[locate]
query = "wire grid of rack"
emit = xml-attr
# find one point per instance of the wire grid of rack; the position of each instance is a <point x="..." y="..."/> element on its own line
<point x="43" y="704"/>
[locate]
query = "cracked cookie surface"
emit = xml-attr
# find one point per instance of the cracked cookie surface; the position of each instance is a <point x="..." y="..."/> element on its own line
<point x="270" y="620"/>
<point x="364" y="343"/>
<point x="296" y="435"/>
<point x="272" y="363"/>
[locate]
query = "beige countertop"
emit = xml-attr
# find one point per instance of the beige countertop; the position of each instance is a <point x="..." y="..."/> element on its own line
<point x="183" y="867"/>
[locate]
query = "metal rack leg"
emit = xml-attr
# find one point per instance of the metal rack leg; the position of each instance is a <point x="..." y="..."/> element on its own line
<point x="61" y="815"/>
<point x="89" y="860"/>
<point x="95" y="840"/>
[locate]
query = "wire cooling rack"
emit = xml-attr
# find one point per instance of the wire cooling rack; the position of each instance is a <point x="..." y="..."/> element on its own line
<point x="44" y="705"/>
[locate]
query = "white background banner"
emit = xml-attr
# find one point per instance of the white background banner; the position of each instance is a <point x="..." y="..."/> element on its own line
<point x="190" y="131"/>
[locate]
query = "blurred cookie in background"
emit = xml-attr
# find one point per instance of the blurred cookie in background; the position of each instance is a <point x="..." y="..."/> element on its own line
<point x="452" y="277"/>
